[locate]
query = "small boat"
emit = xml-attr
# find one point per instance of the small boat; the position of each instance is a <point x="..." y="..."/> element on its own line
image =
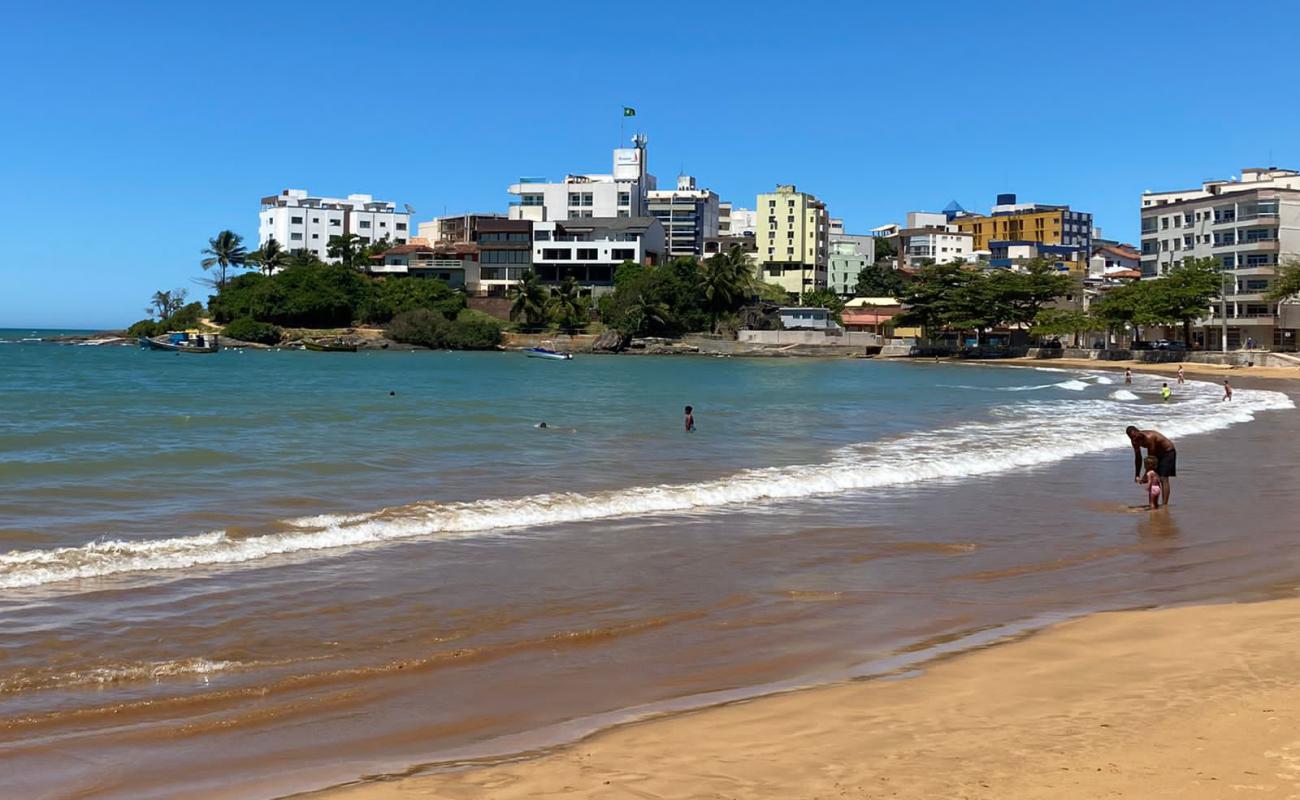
<point x="336" y="346"/>
<point x="186" y="342"/>
<point x="547" y="350"/>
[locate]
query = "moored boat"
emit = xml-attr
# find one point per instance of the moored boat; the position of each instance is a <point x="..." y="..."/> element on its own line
<point x="183" y="342"/>
<point x="547" y="350"/>
<point x="336" y="346"/>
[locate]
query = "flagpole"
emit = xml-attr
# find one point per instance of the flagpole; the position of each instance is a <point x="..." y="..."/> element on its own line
<point x="622" y="115"/>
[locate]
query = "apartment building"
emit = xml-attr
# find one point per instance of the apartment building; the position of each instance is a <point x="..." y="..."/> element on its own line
<point x="1011" y="222"/>
<point x="1249" y="224"/>
<point x="792" y="239"/>
<point x="453" y="228"/>
<point x="591" y="250"/>
<point x="843" y="264"/>
<point x="301" y="222"/>
<point x="929" y="237"/>
<point x="620" y="193"/>
<point x="734" y="221"/>
<point x="505" y="253"/>
<point x="689" y="215"/>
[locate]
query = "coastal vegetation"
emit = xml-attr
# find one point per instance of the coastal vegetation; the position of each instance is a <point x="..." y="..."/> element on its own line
<point x="680" y="296"/>
<point x="249" y="330"/>
<point x="224" y="252"/>
<point x="1183" y="295"/>
<point x="1287" y="284"/>
<point x="428" y="328"/>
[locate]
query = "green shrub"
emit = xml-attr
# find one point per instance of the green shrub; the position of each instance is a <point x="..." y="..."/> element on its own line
<point x="392" y="296"/>
<point x="146" y="327"/>
<point x="303" y="295"/>
<point x="250" y="330"/>
<point x="184" y="319"/>
<point x="431" y="329"/>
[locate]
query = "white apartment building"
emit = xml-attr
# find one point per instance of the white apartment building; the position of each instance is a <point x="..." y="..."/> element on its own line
<point x="299" y="221"/>
<point x="734" y="221"/>
<point x="689" y="216"/>
<point x="591" y="250"/>
<point x="930" y="237"/>
<point x="1250" y="224"/>
<point x="621" y="193"/>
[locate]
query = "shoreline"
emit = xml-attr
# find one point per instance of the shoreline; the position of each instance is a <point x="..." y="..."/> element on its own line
<point x="1191" y="369"/>
<point x="1110" y="703"/>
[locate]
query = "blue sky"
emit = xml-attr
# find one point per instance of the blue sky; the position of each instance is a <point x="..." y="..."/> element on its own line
<point x="132" y="132"/>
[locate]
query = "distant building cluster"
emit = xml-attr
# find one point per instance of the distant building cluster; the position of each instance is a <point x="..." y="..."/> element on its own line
<point x="587" y="224"/>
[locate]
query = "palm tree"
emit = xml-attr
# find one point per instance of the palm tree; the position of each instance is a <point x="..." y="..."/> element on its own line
<point x="347" y="248"/>
<point x="726" y="281"/>
<point x="529" y="296"/>
<point x="566" y="305"/>
<point x="270" y="257"/>
<point x="643" y="313"/>
<point x="224" y="251"/>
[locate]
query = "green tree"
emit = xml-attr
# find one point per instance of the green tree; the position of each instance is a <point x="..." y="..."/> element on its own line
<point x="726" y="281"/>
<point x="528" y="301"/>
<point x="567" y="306"/>
<point x="885" y="250"/>
<point x="224" y="251"/>
<point x="348" y="248"/>
<point x="1063" y="322"/>
<point x="269" y="258"/>
<point x="879" y="280"/>
<point x="1183" y="294"/>
<point x="1287" y="283"/>
<point x="164" y="304"/>
<point x="643" y="315"/>
<point x="935" y="297"/>
<point x="391" y="296"/>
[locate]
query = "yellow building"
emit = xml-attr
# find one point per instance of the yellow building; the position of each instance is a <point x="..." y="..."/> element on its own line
<point x="792" y="236"/>
<point x="1012" y="222"/>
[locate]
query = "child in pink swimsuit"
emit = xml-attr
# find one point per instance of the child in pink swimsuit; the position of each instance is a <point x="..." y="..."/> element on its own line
<point x="1152" y="481"/>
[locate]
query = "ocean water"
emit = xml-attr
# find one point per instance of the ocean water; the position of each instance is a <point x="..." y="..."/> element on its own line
<point x="250" y="573"/>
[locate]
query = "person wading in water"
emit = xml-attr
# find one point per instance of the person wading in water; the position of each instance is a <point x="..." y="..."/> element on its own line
<point x="1159" y="446"/>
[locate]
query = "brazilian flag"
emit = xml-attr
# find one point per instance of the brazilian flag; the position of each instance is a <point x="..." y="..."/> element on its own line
<point x="628" y="111"/>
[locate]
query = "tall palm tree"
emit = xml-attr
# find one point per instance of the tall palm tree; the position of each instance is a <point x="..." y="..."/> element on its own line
<point x="643" y="313"/>
<point x="270" y="257"/>
<point x="566" y="304"/>
<point x="529" y="300"/>
<point x="726" y="281"/>
<point x="225" y="250"/>
<point x="347" y="248"/>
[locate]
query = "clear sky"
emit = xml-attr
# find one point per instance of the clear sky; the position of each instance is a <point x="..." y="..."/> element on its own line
<point x="133" y="132"/>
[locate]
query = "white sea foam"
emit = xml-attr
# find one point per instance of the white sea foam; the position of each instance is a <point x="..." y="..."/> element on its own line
<point x="1102" y="379"/>
<point x="1029" y="433"/>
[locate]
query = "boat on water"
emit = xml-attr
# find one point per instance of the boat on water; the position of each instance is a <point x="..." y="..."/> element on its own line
<point x="336" y="346"/>
<point x="183" y="342"/>
<point x="547" y="350"/>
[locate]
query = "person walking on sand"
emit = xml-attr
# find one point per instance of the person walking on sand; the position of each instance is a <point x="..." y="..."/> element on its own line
<point x="690" y="419"/>
<point x="1180" y="374"/>
<point x="1227" y="390"/>
<point x="1160" y="447"/>
<point x="1128" y="375"/>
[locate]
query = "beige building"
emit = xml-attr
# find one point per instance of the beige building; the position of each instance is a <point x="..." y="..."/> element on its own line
<point x="793" y="239"/>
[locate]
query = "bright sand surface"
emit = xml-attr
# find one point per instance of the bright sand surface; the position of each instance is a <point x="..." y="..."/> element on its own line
<point x="1190" y="369"/>
<point x="1189" y="702"/>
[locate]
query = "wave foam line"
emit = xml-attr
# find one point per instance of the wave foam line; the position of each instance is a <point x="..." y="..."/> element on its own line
<point x="1036" y="433"/>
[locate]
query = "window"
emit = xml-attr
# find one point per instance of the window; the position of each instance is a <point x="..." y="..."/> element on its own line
<point x="315" y="236"/>
<point x="315" y="220"/>
<point x="586" y="254"/>
<point x="365" y="223"/>
<point x="790" y="219"/>
<point x="624" y="198"/>
<point x="334" y="223"/>
<point x="1164" y="223"/>
<point x="540" y="236"/>
<point x="1259" y="260"/>
<point x="297" y="237"/>
<point x="620" y="254"/>
<point x="506" y="256"/>
<point x="401" y="226"/>
<point x="295" y="220"/>
<point x="531" y="200"/>
<point x="771" y="204"/>
<point x="580" y="198"/>
<point x="383" y="224"/>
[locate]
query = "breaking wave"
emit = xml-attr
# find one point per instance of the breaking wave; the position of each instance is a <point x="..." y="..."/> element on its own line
<point x="1022" y="435"/>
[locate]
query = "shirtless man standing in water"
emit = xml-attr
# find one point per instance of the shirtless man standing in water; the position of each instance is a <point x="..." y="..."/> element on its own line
<point x="1160" y="446"/>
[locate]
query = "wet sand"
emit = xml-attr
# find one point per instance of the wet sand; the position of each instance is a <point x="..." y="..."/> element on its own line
<point x="1191" y="702"/>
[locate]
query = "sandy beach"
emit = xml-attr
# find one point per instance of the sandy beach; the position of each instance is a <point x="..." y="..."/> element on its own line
<point x="1191" y="702"/>
<point x="1215" y="372"/>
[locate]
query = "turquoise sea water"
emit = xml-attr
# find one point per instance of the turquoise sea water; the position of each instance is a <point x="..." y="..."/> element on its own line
<point x="249" y="573"/>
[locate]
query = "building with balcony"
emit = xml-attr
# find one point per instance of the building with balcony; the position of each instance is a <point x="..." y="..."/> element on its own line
<point x="302" y="223"/>
<point x="1249" y="224"/>
<point x="687" y="214"/>
<point x="843" y="265"/>
<point x="928" y="238"/>
<point x="453" y="263"/>
<point x="734" y="221"/>
<point x="620" y="193"/>
<point x="453" y="228"/>
<point x="505" y="253"/>
<point x="591" y="250"/>
<point x="793" y="239"/>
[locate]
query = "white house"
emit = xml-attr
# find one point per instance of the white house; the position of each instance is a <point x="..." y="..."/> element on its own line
<point x="590" y="250"/>
<point x="302" y="222"/>
<point x="805" y="318"/>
